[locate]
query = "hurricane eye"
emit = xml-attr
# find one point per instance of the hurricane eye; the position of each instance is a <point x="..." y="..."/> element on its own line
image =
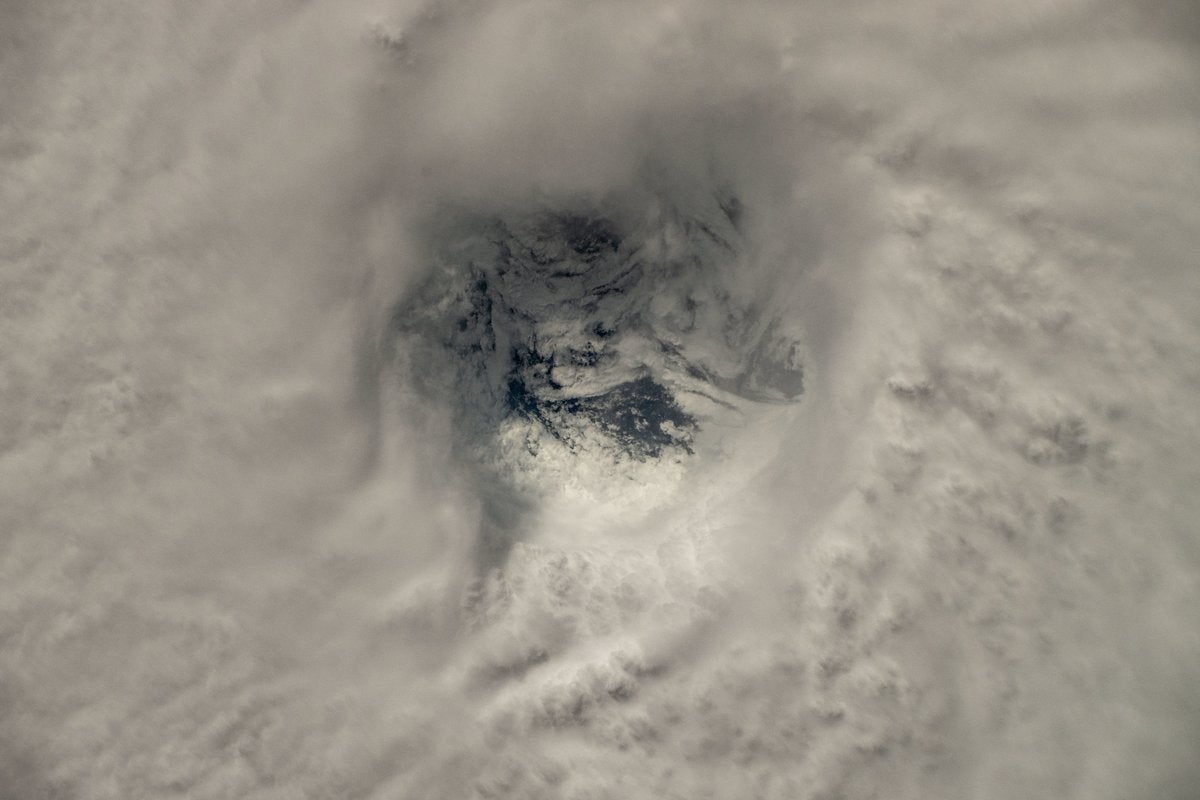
<point x="566" y="326"/>
<point x="591" y="238"/>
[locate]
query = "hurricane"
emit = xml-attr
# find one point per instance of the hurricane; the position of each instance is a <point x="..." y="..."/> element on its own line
<point x="588" y="399"/>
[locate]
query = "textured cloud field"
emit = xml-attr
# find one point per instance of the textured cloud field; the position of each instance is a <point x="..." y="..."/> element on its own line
<point x="586" y="399"/>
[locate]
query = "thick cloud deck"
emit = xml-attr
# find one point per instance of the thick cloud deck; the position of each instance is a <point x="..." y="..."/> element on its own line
<point x="465" y="399"/>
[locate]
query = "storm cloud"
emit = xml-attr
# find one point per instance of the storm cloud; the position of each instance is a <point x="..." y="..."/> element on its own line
<point x="497" y="399"/>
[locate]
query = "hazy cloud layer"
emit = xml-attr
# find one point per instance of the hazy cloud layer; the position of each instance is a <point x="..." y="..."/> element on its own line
<point x="239" y="541"/>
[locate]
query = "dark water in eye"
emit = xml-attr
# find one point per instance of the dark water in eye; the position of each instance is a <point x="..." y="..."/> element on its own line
<point x="587" y="346"/>
<point x="641" y="417"/>
<point x="550" y="318"/>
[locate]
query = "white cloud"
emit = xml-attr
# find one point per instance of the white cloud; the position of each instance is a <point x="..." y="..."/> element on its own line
<point x="240" y="551"/>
